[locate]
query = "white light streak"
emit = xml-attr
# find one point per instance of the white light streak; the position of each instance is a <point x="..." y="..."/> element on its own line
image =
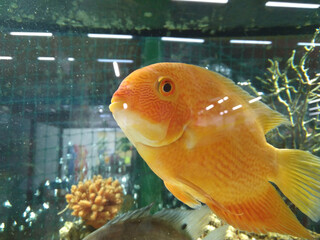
<point x="314" y="108"/>
<point x="46" y="58"/>
<point x="187" y="40"/>
<point x="225" y="111"/>
<point x="243" y="83"/>
<point x="254" y="99"/>
<point x="309" y="44"/>
<point x="5" y="58"/>
<point x="204" y="1"/>
<point x="71" y="59"/>
<point x="314" y="101"/>
<point x="209" y="107"/>
<point x="32" y="34"/>
<point x="116" y="69"/>
<point x="292" y="5"/>
<point x="237" y="107"/>
<point x="225" y="98"/>
<point x="220" y="101"/>
<point x="314" y="113"/>
<point x="106" y="60"/>
<point x="260" y="42"/>
<point x="110" y="36"/>
<point x="125" y="106"/>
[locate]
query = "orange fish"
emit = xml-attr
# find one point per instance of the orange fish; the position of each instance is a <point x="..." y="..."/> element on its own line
<point x="205" y="138"/>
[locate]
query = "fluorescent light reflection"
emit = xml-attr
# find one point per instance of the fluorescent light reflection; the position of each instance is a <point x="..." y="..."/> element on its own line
<point x="203" y="1"/>
<point x="314" y="113"/>
<point x="292" y="5"/>
<point x="236" y="41"/>
<point x="46" y="58"/>
<point x="5" y="58"/>
<point x="255" y="100"/>
<point x="243" y="83"/>
<point x="188" y="40"/>
<point x="314" y="101"/>
<point x="314" y="108"/>
<point x="107" y="60"/>
<point x="209" y="107"/>
<point x="111" y="36"/>
<point x="32" y="34"/>
<point x="116" y="69"/>
<point x="71" y="59"/>
<point x="308" y="44"/>
<point x="237" y="107"/>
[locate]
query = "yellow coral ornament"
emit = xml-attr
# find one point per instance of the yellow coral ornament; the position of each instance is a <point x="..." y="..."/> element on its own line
<point x="96" y="201"/>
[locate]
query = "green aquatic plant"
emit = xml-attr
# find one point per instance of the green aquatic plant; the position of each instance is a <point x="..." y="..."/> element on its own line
<point x="293" y="89"/>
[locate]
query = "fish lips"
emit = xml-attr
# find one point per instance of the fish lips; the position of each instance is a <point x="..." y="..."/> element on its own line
<point x="117" y="106"/>
<point x="138" y="128"/>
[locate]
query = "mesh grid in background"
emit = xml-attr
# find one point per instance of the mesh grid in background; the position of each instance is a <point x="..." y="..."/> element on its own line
<point x="48" y="106"/>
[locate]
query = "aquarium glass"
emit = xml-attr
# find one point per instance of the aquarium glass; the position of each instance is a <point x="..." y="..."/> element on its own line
<point x="61" y="62"/>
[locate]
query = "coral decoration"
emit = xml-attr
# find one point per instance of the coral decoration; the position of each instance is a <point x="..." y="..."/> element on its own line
<point x="96" y="201"/>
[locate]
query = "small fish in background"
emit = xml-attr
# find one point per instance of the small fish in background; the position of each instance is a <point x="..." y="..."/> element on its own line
<point x="167" y="224"/>
<point x="205" y="138"/>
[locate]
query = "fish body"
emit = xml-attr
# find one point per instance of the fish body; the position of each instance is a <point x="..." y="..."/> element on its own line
<point x="168" y="224"/>
<point x="205" y="138"/>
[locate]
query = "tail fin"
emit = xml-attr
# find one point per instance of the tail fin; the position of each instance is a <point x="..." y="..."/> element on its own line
<point x="299" y="179"/>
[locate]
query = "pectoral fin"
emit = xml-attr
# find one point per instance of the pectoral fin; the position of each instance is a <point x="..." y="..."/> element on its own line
<point x="192" y="194"/>
<point x="183" y="196"/>
<point x="202" y="195"/>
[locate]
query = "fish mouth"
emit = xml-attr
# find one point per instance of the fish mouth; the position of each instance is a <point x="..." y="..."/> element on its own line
<point x="136" y="127"/>
<point x="117" y="106"/>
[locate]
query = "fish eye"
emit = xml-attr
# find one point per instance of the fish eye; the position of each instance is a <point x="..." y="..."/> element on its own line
<point x="166" y="86"/>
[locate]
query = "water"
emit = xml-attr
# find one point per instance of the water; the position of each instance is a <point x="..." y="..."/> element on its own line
<point x="55" y="125"/>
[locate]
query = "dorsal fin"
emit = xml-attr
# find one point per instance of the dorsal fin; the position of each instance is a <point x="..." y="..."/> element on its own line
<point x="99" y="234"/>
<point x="267" y="117"/>
<point x="135" y="214"/>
